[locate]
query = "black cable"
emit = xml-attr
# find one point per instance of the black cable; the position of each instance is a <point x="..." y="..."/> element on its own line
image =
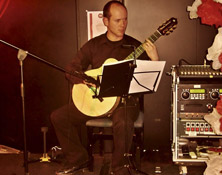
<point x="68" y="106"/>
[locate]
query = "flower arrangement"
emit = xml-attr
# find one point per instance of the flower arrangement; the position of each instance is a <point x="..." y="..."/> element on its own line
<point x="210" y="12"/>
<point x="215" y="160"/>
<point x="215" y="118"/>
<point x="219" y="110"/>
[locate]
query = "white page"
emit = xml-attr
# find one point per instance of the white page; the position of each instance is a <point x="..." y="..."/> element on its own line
<point x="145" y="78"/>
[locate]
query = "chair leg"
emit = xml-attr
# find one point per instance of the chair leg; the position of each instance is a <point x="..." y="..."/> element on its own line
<point x="90" y="148"/>
<point x="101" y="142"/>
<point x="138" y="157"/>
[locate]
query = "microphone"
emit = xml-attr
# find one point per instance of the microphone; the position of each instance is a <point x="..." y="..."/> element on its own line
<point x="127" y="46"/>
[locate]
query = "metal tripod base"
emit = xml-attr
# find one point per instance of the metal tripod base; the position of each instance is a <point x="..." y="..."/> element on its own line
<point x="45" y="158"/>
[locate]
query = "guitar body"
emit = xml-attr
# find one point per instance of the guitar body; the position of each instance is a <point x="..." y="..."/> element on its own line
<point x="82" y="96"/>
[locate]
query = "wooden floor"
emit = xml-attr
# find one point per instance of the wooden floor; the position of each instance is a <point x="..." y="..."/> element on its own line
<point x="12" y="164"/>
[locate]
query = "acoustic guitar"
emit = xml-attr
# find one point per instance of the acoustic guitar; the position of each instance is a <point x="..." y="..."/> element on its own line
<point x="83" y="95"/>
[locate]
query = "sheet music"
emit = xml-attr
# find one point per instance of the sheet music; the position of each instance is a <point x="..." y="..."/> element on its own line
<point x="146" y="74"/>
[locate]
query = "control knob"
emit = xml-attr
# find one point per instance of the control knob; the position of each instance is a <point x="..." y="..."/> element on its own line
<point x="185" y="95"/>
<point x="214" y="95"/>
<point x="209" y="107"/>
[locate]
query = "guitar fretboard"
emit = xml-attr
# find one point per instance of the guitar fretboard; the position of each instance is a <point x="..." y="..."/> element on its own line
<point x="139" y="50"/>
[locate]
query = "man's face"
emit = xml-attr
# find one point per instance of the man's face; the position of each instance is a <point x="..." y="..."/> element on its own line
<point x="117" y="23"/>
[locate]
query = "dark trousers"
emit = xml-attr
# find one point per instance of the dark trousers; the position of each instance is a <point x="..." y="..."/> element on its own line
<point x="67" y="118"/>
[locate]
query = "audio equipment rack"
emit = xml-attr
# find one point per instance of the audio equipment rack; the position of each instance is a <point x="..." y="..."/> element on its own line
<point x="195" y="91"/>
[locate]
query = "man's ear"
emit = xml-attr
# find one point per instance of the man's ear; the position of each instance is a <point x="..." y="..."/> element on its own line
<point x="105" y="21"/>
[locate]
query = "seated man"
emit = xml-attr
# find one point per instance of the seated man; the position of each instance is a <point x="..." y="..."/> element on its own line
<point x="66" y="119"/>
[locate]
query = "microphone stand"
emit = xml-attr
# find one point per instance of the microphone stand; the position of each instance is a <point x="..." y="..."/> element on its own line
<point x="125" y="96"/>
<point x="21" y="57"/>
<point x="134" y="52"/>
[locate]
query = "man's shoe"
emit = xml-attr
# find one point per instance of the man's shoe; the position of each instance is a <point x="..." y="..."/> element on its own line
<point x="74" y="170"/>
<point x="71" y="171"/>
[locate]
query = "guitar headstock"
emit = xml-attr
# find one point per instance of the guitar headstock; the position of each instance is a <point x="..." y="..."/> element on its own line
<point x="167" y="27"/>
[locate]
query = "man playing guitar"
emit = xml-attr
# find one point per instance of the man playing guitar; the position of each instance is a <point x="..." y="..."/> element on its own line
<point x="94" y="53"/>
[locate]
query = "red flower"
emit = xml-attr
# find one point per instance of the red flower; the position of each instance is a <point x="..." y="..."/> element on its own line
<point x="219" y="110"/>
<point x="219" y="106"/>
<point x="220" y="59"/>
<point x="210" y="12"/>
<point x="221" y="124"/>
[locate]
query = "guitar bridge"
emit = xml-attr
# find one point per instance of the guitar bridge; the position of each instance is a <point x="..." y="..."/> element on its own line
<point x="99" y="98"/>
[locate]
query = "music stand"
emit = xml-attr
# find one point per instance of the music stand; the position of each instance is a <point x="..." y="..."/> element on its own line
<point x="116" y="81"/>
<point x="119" y="79"/>
<point x="147" y="76"/>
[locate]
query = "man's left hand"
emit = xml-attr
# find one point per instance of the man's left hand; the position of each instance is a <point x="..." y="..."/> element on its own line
<point x="151" y="50"/>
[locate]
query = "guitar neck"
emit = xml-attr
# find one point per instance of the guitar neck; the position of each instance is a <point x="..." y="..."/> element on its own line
<point x="139" y="50"/>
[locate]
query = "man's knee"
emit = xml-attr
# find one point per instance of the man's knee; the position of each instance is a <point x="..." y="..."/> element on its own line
<point x="55" y="117"/>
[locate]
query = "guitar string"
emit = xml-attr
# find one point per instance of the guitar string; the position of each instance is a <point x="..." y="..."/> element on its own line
<point x="139" y="50"/>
